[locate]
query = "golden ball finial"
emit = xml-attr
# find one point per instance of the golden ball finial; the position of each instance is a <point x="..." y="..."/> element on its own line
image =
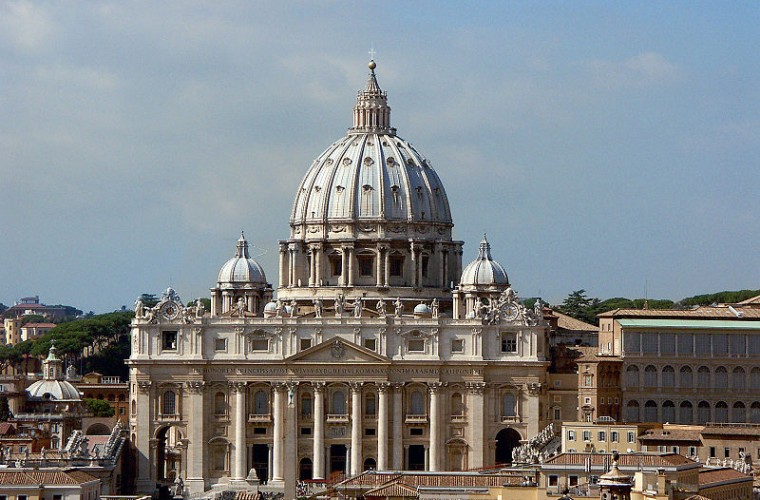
<point x="372" y="65"/>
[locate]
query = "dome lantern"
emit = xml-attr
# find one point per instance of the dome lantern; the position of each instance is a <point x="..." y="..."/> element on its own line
<point x="372" y="113"/>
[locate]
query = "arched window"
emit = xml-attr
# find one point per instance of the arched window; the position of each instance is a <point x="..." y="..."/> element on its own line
<point x="370" y="464"/>
<point x="305" y="469"/>
<point x="703" y="412"/>
<point x="703" y="377"/>
<point x="754" y="413"/>
<point x="669" y="411"/>
<point x="457" y="408"/>
<point x="721" y="412"/>
<point x="418" y="403"/>
<point x="632" y="411"/>
<point x="739" y="413"/>
<point x="632" y="376"/>
<point x="260" y="403"/>
<point x="721" y="378"/>
<point x="738" y="378"/>
<point x="370" y="406"/>
<point x="220" y="404"/>
<point x="170" y="403"/>
<point x="650" y="376"/>
<point x="685" y="412"/>
<point x="650" y="411"/>
<point x="686" y="378"/>
<point x="54" y="442"/>
<point x="668" y="377"/>
<point x="754" y="378"/>
<point x="508" y="405"/>
<point x="306" y="406"/>
<point x="339" y="403"/>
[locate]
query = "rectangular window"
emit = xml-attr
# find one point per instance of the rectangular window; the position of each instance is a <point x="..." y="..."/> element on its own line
<point x="508" y="342"/>
<point x="726" y="452"/>
<point x="57" y="497"/>
<point x="692" y="451"/>
<point x="667" y="343"/>
<point x="602" y="436"/>
<point x="702" y="344"/>
<point x="260" y="430"/>
<point x="649" y="343"/>
<point x="720" y="344"/>
<point x="632" y="342"/>
<point x="587" y="380"/>
<point x="553" y="480"/>
<point x="557" y="414"/>
<point x="260" y="345"/>
<point x="572" y="480"/>
<point x="587" y="435"/>
<point x="369" y="431"/>
<point x="397" y="265"/>
<point x="220" y="345"/>
<point x="631" y="437"/>
<point x="169" y="341"/>
<point x="738" y="344"/>
<point x="366" y="265"/>
<point x="675" y="449"/>
<point x="370" y="344"/>
<point x="587" y="401"/>
<point x="685" y="344"/>
<point x="305" y="344"/>
<point x="306" y="431"/>
<point x="424" y="264"/>
<point x="416" y="345"/>
<point x="614" y="437"/>
<point x="415" y="431"/>
<point x="754" y="344"/>
<point x="571" y="435"/>
<point x="712" y="451"/>
<point x="457" y="345"/>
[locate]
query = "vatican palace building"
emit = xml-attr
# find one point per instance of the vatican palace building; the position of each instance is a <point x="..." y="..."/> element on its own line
<point x="378" y="350"/>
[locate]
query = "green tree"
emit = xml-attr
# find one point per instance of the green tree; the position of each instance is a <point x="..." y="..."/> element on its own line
<point x="33" y="318"/>
<point x="205" y="301"/>
<point x="99" y="407"/>
<point x="725" y="297"/>
<point x="579" y="306"/>
<point x="149" y="299"/>
<point x="5" y="409"/>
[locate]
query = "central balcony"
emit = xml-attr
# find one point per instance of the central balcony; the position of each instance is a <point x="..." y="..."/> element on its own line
<point x="416" y="419"/>
<point x="337" y="418"/>
<point x="259" y="417"/>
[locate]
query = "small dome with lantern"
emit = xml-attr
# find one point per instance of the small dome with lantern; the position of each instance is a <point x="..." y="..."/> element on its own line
<point x="241" y="268"/>
<point x="241" y="283"/>
<point x="484" y="271"/>
<point x="53" y="387"/>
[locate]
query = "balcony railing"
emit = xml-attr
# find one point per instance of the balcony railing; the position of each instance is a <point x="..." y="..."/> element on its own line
<point x="509" y="418"/>
<point x="416" y="419"/>
<point x="458" y="418"/>
<point x="259" y="417"/>
<point x="169" y="417"/>
<point x="337" y="417"/>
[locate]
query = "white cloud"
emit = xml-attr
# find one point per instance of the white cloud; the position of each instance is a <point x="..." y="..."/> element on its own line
<point x="641" y="70"/>
<point x="26" y="25"/>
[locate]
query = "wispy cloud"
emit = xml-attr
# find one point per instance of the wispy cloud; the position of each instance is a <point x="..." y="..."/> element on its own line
<point x="642" y="70"/>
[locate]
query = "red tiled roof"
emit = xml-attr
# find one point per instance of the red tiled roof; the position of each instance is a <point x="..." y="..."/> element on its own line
<point x="395" y="489"/>
<point x="712" y="476"/>
<point x="36" y="478"/>
<point x="7" y="428"/>
<point x="702" y="312"/>
<point x="39" y="325"/>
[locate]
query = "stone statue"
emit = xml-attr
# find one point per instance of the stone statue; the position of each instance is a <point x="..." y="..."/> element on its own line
<point x="477" y="308"/>
<point x="139" y="308"/>
<point x="399" y="307"/>
<point x="434" y="308"/>
<point x="380" y="307"/>
<point x="199" y="308"/>
<point x="71" y="372"/>
<point x="317" y="308"/>
<point x="278" y="309"/>
<point x="240" y="307"/>
<point x="538" y="308"/>
<point x="339" y="306"/>
<point x="358" y="305"/>
<point x="293" y="308"/>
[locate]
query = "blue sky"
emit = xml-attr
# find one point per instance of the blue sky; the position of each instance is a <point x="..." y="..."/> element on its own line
<point x="611" y="146"/>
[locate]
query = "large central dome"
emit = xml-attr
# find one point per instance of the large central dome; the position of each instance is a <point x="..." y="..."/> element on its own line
<point x="370" y="218"/>
<point x="371" y="177"/>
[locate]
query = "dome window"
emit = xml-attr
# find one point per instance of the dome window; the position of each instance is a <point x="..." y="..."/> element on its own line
<point x="390" y="160"/>
<point x="339" y="189"/>
<point x="368" y="161"/>
<point x="346" y="162"/>
<point x="367" y="187"/>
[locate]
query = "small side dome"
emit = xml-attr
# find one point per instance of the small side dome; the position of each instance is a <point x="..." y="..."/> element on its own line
<point x="422" y="311"/>
<point x="270" y="310"/>
<point x="484" y="271"/>
<point x="241" y="269"/>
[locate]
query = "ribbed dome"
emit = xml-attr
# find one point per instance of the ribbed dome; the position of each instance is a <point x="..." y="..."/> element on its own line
<point x="241" y="268"/>
<point x="371" y="175"/>
<point x="53" y="390"/>
<point x="484" y="271"/>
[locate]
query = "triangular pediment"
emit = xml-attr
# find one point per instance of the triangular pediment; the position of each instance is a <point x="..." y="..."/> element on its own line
<point x="337" y="350"/>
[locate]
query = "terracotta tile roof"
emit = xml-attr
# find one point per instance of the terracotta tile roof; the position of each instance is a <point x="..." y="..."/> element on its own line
<point x="39" y="325"/>
<point x="36" y="478"/>
<point x="625" y="460"/>
<point x="708" y="477"/>
<point x="569" y="323"/>
<point x="670" y="435"/>
<point x="702" y="312"/>
<point x="697" y="497"/>
<point x="731" y="429"/>
<point x="395" y="489"/>
<point x="447" y="480"/>
<point x="7" y="428"/>
<point x="751" y="301"/>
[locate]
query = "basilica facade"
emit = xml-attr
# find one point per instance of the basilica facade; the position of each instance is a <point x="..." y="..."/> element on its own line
<point x="378" y="349"/>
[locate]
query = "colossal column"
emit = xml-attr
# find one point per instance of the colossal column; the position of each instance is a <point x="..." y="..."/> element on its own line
<point x="434" y="462"/>
<point x="239" y="461"/>
<point x="194" y="477"/>
<point x="398" y="426"/>
<point x="477" y="426"/>
<point x="319" y="431"/>
<point x="356" y="427"/>
<point x="279" y="436"/>
<point x="382" y="426"/>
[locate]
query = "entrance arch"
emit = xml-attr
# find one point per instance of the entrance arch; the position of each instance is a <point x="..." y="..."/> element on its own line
<point x="506" y="441"/>
<point x="168" y="454"/>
